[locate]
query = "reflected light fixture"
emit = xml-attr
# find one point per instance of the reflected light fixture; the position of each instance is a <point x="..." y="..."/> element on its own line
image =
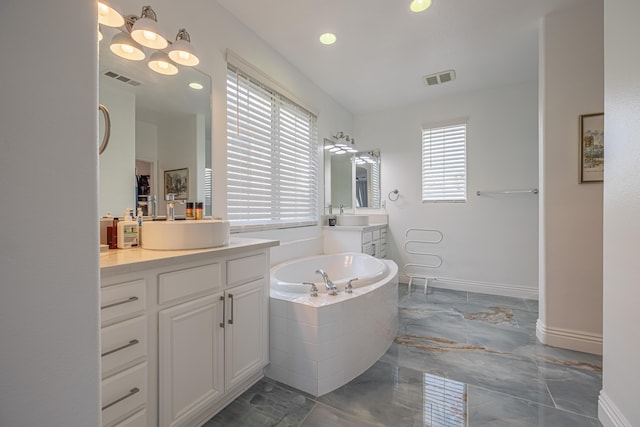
<point x="108" y="15"/>
<point x="125" y="47"/>
<point x="419" y="5"/>
<point x="160" y="63"/>
<point x="328" y="38"/>
<point x="145" y="30"/>
<point x="182" y="52"/>
<point x="196" y="86"/>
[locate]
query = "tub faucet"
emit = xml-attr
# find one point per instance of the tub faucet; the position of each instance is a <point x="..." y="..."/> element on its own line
<point x="331" y="288"/>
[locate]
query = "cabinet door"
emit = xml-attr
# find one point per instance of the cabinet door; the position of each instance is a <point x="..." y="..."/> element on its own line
<point x="246" y="335"/>
<point x="191" y="358"/>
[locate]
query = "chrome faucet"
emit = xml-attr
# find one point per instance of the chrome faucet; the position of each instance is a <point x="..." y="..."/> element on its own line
<point x="171" y="203"/>
<point x="331" y="288"/>
<point x="341" y="209"/>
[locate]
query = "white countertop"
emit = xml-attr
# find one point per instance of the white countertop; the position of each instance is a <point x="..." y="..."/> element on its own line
<point x="354" y="227"/>
<point x="117" y="261"/>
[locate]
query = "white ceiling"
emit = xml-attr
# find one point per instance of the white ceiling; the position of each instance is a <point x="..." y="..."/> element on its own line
<point x="383" y="49"/>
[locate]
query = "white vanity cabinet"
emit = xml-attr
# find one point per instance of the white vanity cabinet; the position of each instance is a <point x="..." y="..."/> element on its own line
<point x="123" y="352"/>
<point x="370" y="239"/>
<point x="203" y="324"/>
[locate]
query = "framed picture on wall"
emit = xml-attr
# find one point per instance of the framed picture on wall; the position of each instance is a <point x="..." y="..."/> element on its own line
<point x="592" y="147"/>
<point x="176" y="182"/>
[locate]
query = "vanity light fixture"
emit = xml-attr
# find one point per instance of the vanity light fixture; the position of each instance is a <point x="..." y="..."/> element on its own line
<point x="125" y="47"/>
<point x="145" y="30"/>
<point x="182" y="52"/>
<point x="109" y="15"/>
<point x="344" y="144"/>
<point x="160" y="63"/>
<point x="142" y="31"/>
<point x="419" y="5"/>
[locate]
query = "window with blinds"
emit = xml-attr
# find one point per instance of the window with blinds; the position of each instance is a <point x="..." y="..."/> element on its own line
<point x="444" y="169"/>
<point x="272" y="157"/>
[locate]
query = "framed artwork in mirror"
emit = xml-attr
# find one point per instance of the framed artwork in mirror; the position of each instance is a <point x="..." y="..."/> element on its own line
<point x="176" y="181"/>
<point x="592" y="147"/>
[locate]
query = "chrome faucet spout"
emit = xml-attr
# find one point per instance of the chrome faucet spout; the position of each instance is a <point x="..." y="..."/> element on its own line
<point x="332" y="289"/>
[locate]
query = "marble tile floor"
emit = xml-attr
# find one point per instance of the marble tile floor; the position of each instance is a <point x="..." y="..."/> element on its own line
<point x="459" y="359"/>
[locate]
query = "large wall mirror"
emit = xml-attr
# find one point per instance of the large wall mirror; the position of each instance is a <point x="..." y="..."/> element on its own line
<point x="158" y="123"/>
<point x="352" y="180"/>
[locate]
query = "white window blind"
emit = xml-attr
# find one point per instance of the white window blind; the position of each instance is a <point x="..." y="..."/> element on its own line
<point x="444" y="169"/>
<point x="272" y="157"/>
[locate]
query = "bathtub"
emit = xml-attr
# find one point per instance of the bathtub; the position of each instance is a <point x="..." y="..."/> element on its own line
<point x="289" y="276"/>
<point x="317" y="344"/>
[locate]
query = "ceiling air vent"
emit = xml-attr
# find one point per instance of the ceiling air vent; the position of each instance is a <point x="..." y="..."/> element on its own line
<point x="438" y="78"/>
<point x="122" y="78"/>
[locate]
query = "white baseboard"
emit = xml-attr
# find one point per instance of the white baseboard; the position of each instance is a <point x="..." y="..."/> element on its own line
<point x="609" y="414"/>
<point x="515" y="291"/>
<point x="569" y="339"/>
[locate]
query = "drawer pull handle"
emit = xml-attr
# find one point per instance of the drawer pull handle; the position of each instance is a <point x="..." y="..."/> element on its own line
<point x="113" y="304"/>
<point x="122" y="347"/>
<point x="231" y="318"/>
<point x="126" y="396"/>
<point x="223" y="315"/>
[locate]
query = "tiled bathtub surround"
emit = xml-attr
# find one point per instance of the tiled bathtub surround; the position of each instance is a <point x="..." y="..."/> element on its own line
<point x="318" y="344"/>
<point x="480" y="349"/>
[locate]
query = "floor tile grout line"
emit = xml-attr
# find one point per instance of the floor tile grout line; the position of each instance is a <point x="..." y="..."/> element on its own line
<point x="551" y="395"/>
<point x="308" y="413"/>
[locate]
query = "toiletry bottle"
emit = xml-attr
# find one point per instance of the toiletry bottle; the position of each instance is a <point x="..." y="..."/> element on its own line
<point x="190" y="210"/>
<point x="139" y="226"/>
<point x="199" y="210"/>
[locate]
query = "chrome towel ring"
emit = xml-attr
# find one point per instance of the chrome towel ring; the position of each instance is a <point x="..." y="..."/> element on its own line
<point x="396" y="193"/>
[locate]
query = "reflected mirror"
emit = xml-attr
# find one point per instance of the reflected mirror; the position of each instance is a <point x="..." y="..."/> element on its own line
<point x="367" y="179"/>
<point x="158" y="123"/>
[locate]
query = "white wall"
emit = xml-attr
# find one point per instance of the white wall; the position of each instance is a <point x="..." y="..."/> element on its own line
<point x="571" y="84"/>
<point x="49" y="352"/>
<point x="619" y="398"/>
<point x="490" y="241"/>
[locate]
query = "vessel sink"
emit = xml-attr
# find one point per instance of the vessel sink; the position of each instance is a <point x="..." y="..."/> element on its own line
<point x="178" y="235"/>
<point x="352" y="220"/>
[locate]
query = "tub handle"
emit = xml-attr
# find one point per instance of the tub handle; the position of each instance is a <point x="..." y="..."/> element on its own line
<point x="231" y="318"/>
<point x="313" y="290"/>
<point x="349" y="288"/>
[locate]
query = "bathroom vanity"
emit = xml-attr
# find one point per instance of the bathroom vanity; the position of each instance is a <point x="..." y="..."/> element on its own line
<point x="368" y="239"/>
<point x="183" y="332"/>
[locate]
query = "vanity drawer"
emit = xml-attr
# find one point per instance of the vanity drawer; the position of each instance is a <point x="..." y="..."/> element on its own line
<point x="246" y="269"/>
<point x="123" y="394"/>
<point x="376" y="234"/>
<point x="122" y="344"/>
<point x="191" y="281"/>
<point x="122" y="301"/>
<point x="139" y="419"/>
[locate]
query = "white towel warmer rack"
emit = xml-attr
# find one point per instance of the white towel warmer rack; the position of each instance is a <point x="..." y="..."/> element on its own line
<point x="414" y="246"/>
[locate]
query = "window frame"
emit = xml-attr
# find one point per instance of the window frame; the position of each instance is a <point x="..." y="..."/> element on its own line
<point x="289" y="128"/>
<point x="450" y="158"/>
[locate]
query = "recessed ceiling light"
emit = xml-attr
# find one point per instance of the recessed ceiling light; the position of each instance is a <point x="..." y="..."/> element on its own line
<point x="419" y="5"/>
<point x="328" y="38"/>
<point x="194" y="85"/>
